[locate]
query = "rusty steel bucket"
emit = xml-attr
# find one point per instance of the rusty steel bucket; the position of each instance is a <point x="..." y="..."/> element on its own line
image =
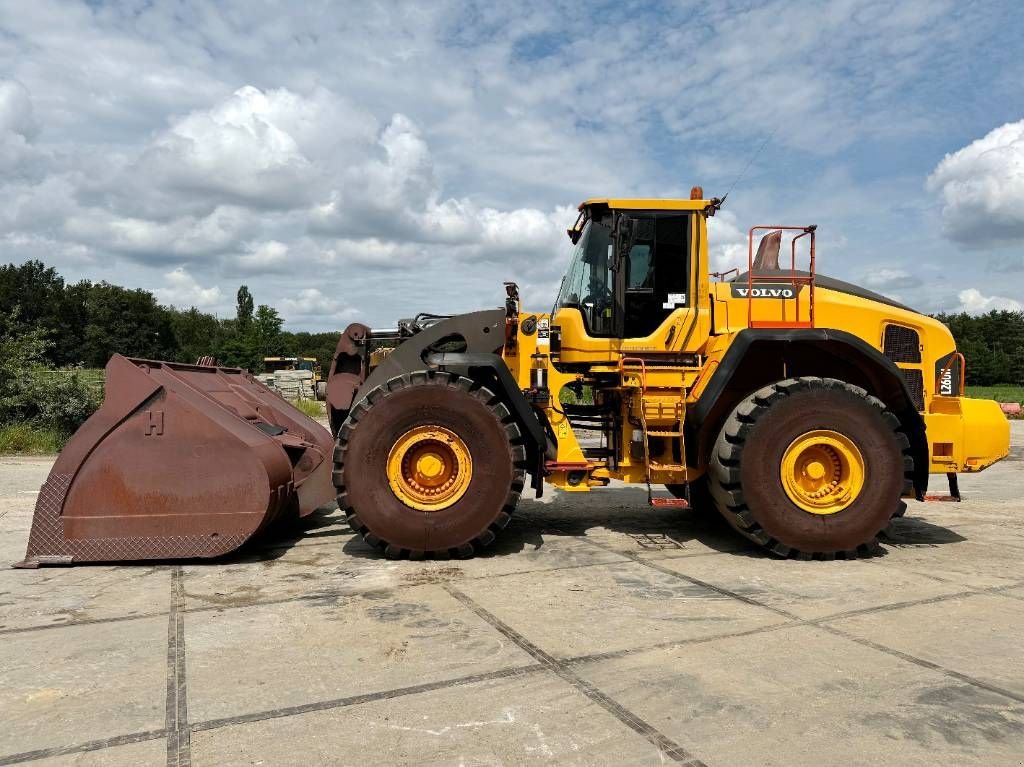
<point x="181" y="461"/>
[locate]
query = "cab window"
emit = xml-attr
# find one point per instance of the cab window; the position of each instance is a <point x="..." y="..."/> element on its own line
<point x="657" y="267"/>
<point x="589" y="283"/>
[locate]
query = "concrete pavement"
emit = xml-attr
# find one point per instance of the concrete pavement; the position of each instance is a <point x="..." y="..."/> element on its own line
<point x="597" y="631"/>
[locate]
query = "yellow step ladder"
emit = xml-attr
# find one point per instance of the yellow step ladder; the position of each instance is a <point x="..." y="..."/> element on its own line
<point x="633" y="375"/>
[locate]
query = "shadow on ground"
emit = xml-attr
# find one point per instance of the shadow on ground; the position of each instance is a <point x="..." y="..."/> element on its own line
<point x="618" y="513"/>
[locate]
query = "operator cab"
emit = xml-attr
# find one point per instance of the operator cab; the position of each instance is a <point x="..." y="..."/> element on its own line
<point x="631" y="266"/>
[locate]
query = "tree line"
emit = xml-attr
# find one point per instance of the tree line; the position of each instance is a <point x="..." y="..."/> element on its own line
<point x="84" y="323"/>
<point x="993" y="345"/>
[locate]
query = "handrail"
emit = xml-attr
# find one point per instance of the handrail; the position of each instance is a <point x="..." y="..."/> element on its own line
<point x="642" y="365"/>
<point x="720" y="276"/>
<point x="793" y="278"/>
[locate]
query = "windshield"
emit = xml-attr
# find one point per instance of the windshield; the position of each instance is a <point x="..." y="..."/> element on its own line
<point x="588" y="284"/>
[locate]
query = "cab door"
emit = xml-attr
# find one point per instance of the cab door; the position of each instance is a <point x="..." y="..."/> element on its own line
<point x="654" y="270"/>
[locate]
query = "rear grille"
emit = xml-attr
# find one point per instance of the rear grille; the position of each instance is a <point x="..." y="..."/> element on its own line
<point x="915" y="383"/>
<point x="902" y="344"/>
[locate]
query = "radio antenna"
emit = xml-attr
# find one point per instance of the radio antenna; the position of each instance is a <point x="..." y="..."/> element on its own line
<point x="750" y="161"/>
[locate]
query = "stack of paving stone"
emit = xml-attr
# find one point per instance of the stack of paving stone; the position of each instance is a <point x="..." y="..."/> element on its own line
<point x="291" y="384"/>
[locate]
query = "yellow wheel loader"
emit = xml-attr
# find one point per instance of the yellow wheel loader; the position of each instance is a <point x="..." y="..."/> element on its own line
<point x="803" y="408"/>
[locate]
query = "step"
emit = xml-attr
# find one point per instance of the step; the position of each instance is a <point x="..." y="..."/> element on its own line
<point x="670" y="503"/>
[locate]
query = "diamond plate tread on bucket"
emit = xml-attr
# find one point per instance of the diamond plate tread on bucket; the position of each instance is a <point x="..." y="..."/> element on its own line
<point x="181" y="461"/>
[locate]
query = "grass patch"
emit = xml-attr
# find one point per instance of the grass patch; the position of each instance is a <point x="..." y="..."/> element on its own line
<point x="568" y="396"/>
<point x="310" y="407"/>
<point x="999" y="392"/>
<point x="25" y="438"/>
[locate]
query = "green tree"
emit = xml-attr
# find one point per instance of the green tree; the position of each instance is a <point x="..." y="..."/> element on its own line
<point x="243" y="312"/>
<point x="21" y="349"/>
<point x="993" y="345"/>
<point x="198" y="334"/>
<point x="128" y="322"/>
<point x="240" y="352"/>
<point x="266" y="331"/>
<point x="29" y="392"/>
<point x="45" y="302"/>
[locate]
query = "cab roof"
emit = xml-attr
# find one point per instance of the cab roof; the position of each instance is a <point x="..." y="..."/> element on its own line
<point x="644" y="204"/>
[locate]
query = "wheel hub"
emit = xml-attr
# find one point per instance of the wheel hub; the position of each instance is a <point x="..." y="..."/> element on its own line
<point x="822" y="471"/>
<point x="429" y="468"/>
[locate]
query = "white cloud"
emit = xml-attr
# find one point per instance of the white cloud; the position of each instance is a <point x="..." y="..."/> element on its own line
<point x="973" y="302"/>
<point x="16" y="111"/>
<point x="727" y="245"/>
<point x="982" y="189"/>
<point x="266" y="256"/>
<point x="18" y="127"/>
<point x="181" y="289"/>
<point x="312" y="302"/>
<point x="188" y="236"/>
<point x="398" y="197"/>
<point x="257" y="148"/>
<point x="885" y="277"/>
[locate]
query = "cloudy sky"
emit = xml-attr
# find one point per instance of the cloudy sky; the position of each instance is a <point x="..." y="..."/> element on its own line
<point x="370" y="160"/>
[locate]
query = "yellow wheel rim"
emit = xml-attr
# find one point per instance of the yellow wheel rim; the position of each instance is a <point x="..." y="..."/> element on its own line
<point x="429" y="468"/>
<point x="822" y="471"/>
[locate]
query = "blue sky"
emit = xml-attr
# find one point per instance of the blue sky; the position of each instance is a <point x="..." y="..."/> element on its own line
<point x="371" y="160"/>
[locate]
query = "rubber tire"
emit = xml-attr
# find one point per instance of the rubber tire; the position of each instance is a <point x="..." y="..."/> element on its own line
<point x="745" y="480"/>
<point x="424" y="398"/>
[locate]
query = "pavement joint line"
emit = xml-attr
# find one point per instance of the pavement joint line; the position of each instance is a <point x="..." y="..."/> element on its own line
<point x="179" y="746"/>
<point x="80" y="748"/>
<point x="259" y="716"/>
<point x="895" y="606"/>
<point x="973" y="681"/>
<point x="83" y="622"/>
<point x="370" y="697"/>
<point x="821" y="624"/>
<point x="615" y="654"/>
<point x="666" y="745"/>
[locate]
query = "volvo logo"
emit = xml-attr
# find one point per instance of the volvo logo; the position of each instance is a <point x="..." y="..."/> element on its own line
<point x="763" y="291"/>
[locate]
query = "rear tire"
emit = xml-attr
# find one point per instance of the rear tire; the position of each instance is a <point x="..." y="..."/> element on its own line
<point x="368" y="437"/>
<point x="747" y="465"/>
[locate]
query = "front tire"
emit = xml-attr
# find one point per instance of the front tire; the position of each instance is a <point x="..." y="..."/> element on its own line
<point x="429" y="465"/>
<point x="811" y="468"/>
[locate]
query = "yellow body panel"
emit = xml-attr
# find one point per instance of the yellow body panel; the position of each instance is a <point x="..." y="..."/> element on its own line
<point x="963" y="434"/>
<point x="966" y="434"/>
<point x="624" y="203"/>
